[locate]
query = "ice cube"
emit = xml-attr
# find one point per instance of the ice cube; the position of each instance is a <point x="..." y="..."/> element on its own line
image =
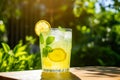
<point x="68" y="35"/>
<point x="59" y="35"/>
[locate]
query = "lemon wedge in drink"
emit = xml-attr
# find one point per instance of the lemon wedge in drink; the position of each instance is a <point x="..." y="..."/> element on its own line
<point x="57" y="55"/>
<point x="42" y="26"/>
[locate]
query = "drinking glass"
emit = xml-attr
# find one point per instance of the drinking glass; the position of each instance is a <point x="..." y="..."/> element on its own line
<point x="55" y="48"/>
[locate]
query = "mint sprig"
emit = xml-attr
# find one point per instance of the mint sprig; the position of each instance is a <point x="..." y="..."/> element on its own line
<point x="61" y="29"/>
<point x="41" y="39"/>
<point x="47" y="49"/>
<point x="49" y="40"/>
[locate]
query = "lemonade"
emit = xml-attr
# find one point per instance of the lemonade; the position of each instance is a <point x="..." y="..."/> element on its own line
<point x="55" y="47"/>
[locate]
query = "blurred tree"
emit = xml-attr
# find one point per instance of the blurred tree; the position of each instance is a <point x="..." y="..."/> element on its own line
<point x="3" y="35"/>
<point x="98" y="33"/>
<point x="9" y="8"/>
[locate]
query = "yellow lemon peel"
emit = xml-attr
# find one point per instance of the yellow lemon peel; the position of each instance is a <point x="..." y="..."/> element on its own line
<point x="42" y="26"/>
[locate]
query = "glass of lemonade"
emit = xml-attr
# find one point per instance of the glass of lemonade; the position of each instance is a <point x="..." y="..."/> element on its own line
<point x="55" y="48"/>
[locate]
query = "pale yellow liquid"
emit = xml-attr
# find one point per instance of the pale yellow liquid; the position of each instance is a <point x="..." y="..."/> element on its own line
<point x="57" y="66"/>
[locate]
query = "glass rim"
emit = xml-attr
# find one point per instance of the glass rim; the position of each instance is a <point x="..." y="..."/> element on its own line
<point x="67" y="29"/>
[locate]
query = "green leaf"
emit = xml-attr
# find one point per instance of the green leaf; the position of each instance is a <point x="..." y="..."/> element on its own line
<point x="11" y="60"/>
<point x="6" y="47"/>
<point x="101" y="62"/>
<point x="20" y="54"/>
<point x="77" y="10"/>
<point x="30" y="39"/>
<point x="1" y="55"/>
<point x="22" y="48"/>
<point x="15" y="50"/>
<point x="4" y="64"/>
<point x="46" y="50"/>
<point x="61" y="29"/>
<point x="2" y="27"/>
<point x="50" y="39"/>
<point x="41" y="39"/>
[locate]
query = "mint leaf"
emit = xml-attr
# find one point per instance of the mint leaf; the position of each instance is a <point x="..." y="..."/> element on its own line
<point x="61" y="29"/>
<point x="47" y="50"/>
<point x="41" y="39"/>
<point x="50" y="39"/>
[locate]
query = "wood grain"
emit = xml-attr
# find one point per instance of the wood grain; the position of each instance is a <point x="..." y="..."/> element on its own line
<point x="76" y="73"/>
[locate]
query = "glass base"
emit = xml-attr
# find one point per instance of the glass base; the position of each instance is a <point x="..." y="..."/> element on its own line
<point x="55" y="70"/>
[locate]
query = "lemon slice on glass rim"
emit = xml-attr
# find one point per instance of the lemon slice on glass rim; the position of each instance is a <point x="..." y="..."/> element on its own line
<point x="42" y="26"/>
<point x="57" y="55"/>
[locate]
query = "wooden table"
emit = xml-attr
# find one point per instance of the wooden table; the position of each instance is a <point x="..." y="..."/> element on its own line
<point x="76" y="73"/>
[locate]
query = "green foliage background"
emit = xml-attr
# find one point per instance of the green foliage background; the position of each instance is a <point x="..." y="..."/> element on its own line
<point x="99" y="38"/>
<point x="19" y="58"/>
<point x="96" y="36"/>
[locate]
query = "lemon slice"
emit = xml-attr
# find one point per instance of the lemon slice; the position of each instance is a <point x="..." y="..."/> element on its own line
<point x="57" y="55"/>
<point x="42" y="26"/>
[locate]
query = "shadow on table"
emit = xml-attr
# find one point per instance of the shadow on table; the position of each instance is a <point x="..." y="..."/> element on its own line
<point x="101" y="70"/>
<point x="6" y="78"/>
<point x="58" y="76"/>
